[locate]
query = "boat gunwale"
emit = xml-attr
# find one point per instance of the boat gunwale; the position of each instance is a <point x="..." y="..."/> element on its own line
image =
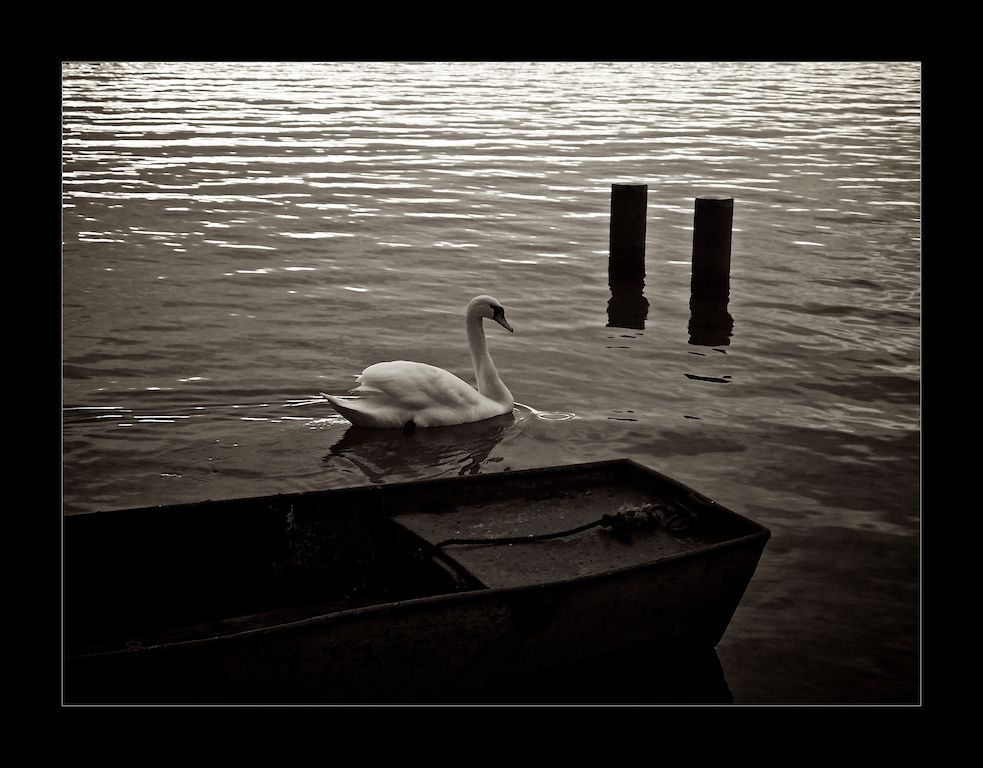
<point x="381" y="488"/>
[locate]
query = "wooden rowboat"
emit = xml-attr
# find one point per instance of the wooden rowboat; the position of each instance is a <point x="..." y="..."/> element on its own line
<point x="410" y="592"/>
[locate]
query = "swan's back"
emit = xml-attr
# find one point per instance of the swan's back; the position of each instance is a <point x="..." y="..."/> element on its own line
<point x="400" y="392"/>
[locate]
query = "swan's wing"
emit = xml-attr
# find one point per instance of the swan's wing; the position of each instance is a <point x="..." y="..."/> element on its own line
<point x="416" y="385"/>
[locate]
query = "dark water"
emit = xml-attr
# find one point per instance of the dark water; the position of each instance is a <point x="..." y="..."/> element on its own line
<point x="240" y="237"/>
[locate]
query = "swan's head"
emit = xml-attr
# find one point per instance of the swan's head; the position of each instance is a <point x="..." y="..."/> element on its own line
<point x="487" y="306"/>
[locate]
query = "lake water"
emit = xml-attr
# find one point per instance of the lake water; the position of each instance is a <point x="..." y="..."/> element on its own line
<point x="239" y="237"/>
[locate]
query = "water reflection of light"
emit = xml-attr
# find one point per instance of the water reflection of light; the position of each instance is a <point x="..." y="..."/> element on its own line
<point x="546" y="415"/>
<point x="270" y="198"/>
<point x="95" y="408"/>
<point x="242" y="246"/>
<point x="167" y="419"/>
<point x="384" y="185"/>
<point x="315" y="235"/>
<point x="432" y="215"/>
<point x="413" y="200"/>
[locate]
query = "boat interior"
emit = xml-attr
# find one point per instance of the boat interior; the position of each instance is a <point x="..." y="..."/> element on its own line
<point x="157" y="575"/>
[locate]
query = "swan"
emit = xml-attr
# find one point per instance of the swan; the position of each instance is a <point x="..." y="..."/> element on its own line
<point x="405" y="394"/>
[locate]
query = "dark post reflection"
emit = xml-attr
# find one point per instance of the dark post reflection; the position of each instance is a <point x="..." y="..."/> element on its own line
<point x="627" y="307"/>
<point x="710" y="324"/>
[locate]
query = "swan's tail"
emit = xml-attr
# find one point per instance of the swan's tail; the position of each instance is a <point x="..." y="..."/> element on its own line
<point x="348" y="407"/>
<point x="348" y="412"/>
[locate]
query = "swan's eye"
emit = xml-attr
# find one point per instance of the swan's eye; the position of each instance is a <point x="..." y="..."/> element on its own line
<point x="497" y="312"/>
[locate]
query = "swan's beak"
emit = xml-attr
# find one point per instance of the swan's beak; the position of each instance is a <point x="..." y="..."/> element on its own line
<point x="504" y="323"/>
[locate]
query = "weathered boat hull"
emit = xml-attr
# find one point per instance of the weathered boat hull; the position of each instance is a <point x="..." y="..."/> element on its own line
<point x="432" y="647"/>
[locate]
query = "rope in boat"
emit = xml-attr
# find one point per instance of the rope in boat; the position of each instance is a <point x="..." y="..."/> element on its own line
<point x="647" y="516"/>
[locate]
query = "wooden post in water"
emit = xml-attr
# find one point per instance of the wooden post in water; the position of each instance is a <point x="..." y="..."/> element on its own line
<point x="710" y="323"/>
<point x="712" y="227"/>
<point x="626" y="244"/>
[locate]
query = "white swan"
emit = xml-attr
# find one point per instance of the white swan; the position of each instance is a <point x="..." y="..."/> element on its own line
<point x="406" y="394"/>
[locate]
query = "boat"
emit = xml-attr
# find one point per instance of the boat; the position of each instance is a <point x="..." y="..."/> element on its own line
<point x="410" y="592"/>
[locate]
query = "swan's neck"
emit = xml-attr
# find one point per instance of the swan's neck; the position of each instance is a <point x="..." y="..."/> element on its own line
<point x="489" y="382"/>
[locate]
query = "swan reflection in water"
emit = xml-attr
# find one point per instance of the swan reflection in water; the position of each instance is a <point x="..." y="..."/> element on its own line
<point x="463" y="449"/>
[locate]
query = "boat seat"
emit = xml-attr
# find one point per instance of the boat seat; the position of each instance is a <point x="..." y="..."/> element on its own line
<point x="586" y="553"/>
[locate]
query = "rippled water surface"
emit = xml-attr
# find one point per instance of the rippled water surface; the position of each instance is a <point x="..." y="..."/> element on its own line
<point x="239" y="237"/>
